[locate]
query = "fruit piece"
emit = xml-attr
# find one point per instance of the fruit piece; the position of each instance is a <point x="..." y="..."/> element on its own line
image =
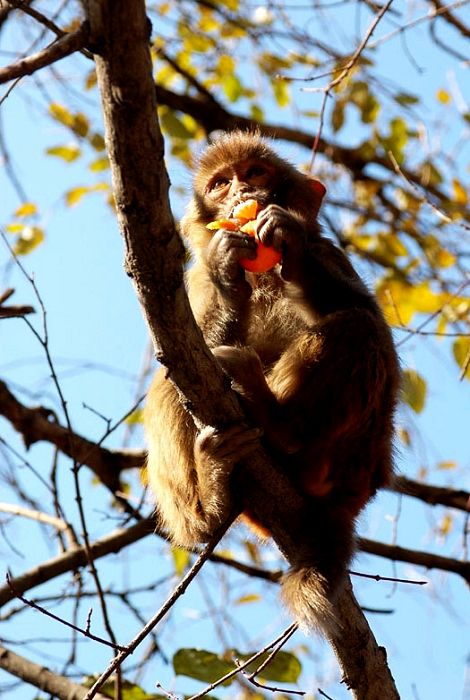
<point x="266" y="256"/>
<point x="246" y="210"/>
<point x="244" y="220"/>
<point x="229" y="224"/>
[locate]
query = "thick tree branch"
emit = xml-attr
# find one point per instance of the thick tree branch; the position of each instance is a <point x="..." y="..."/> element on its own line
<point x="41" y="677"/>
<point x="75" y="558"/>
<point x="154" y="261"/>
<point x="62" y="47"/>
<point x="434" y="495"/>
<point x="36" y="424"/>
<point x="412" y="556"/>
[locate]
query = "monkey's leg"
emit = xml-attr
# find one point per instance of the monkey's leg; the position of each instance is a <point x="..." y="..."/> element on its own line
<point x="216" y="453"/>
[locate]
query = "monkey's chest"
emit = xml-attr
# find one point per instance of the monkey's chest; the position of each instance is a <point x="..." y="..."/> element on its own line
<point x="272" y="328"/>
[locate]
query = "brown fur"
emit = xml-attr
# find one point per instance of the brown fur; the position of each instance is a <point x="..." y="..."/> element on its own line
<point x="311" y="356"/>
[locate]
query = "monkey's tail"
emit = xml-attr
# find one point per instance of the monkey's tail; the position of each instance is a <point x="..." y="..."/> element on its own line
<point x="305" y="594"/>
<point x="319" y="569"/>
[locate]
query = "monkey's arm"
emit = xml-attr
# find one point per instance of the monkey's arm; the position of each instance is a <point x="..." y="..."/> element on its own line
<point x="218" y="290"/>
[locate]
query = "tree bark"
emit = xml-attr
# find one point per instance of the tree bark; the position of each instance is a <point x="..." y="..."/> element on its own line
<point x="154" y="255"/>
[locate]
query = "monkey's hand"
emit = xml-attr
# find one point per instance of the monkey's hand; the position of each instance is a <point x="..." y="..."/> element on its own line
<point x="223" y="255"/>
<point x="284" y="231"/>
<point x="216" y="453"/>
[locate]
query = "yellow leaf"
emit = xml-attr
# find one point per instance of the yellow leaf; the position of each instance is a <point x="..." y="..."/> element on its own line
<point x="443" y="97"/>
<point x="414" y="390"/>
<point x="251" y="598"/>
<point x="180" y="559"/>
<point x="281" y="92"/>
<point x="15" y="227"/>
<point x="461" y="351"/>
<point x="446" y="465"/>
<point x="30" y="238"/>
<point x="99" y="164"/>
<point x="67" y="153"/>
<point x="135" y="417"/>
<point x="445" y="526"/>
<point x="460" y="193"/>
<point x="26" y="209"/>
<point x="61" y="114"/>
<point x="404" y="436"/>
<point x="72" y="197"/>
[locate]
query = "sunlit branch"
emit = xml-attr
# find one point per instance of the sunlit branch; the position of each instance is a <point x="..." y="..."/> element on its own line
<point x="62" y="47"/>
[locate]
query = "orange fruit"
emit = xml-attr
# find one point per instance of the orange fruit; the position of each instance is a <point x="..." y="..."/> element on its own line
<point x="245" y="220"/>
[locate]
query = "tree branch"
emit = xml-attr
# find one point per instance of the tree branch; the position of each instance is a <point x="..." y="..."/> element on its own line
<point x="36" y="424"/>
<point x="412" y="556"/>
<point x="154" y="256"/>
<point x="41" y="677"/>
<point x="76" y="558"/>
<point x="62" y="47"/>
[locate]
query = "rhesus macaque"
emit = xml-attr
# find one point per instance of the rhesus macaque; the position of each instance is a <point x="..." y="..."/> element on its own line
<point x="310" y="354"/>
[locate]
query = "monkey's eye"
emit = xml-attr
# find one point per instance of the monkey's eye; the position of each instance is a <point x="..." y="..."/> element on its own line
<point x="218" y="183"/>
<point x="256" y="171"/>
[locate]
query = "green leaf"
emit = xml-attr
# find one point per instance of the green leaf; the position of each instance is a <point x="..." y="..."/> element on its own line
<point x="461" y="351"/>
<point x="67" y="153"/>
<point x="181" y="559"/>
<point x="202" y="665"/>
<point x="173" y="125"/>
<point x="284" y="667"/>
<point x="414" y="390"/>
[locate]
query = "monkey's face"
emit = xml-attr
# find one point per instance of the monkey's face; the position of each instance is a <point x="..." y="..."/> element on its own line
<point x="236" y="182"/>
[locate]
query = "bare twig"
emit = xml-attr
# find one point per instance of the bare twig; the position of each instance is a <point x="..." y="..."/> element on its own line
<point x="62" y="47"/>
<point x="86" y="632"/>
<point x="40" y="677"/>
<point x="177" y="593"/>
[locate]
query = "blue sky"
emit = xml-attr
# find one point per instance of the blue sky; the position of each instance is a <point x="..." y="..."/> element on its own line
<point x="93" y="316"/>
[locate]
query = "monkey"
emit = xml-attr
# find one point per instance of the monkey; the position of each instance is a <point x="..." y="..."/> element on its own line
<point x="308" y="351"/>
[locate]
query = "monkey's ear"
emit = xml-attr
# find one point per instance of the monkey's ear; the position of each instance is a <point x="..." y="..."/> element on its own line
<point x="318" y="187"/>
<point x="319" y="191"/>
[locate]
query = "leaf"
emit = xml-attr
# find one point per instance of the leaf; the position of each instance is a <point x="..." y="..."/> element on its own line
<point x="284" y="667"/>
<point x="26" y="209"/>
<point x="281" y="92"/>
<point x="460" y="193"/>
<point x="461" y="351"/>
<point x="136" y="417"/>
<point x="202" y="665"/>
<point x="173" y="125"/>
<point x="405" y="99"/>
<point x="250" y="598"/>
<point x="445" y="526"/>
<point x="447" y="464"/>
<point x="337" y="115"/>
<point x="97" y="142"/>
<point x="72" y="197"/>
<point x="99" y="165"/>
<point x="61" y="114"/>
<point x="443" y="97"/>
<point x="80" y="125"/>
<point x="181" y="559"/>
<point x="67" y="153"/>
<point x="30" y="238"/>
<point x="414" y="390"/>
<point x="232" y="87"/>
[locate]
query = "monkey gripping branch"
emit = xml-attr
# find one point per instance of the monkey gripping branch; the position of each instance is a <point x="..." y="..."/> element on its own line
<point x="154" y="255"/>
